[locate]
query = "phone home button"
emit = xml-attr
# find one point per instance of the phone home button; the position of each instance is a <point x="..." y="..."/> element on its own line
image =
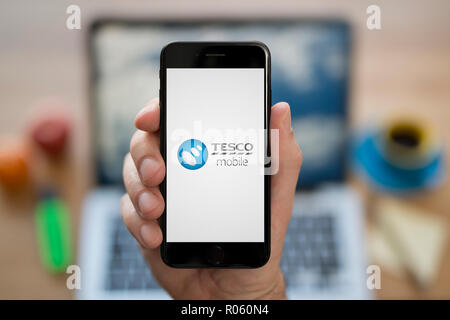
<point x="215" y="254"/>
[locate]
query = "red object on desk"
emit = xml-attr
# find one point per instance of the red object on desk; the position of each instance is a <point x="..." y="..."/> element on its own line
<point x="51" y="133"/>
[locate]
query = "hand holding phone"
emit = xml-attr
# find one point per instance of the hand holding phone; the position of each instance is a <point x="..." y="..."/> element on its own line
<point x="142" y="206"/>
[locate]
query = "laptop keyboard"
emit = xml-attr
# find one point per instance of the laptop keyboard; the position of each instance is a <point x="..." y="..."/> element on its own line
<point x="310" y="256"/>
<point x="127" y="269"/>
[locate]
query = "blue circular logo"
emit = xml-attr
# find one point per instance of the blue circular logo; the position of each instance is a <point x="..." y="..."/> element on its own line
<point x="192" y="154"/>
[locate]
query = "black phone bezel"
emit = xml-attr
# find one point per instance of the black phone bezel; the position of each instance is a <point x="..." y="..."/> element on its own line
<point x="216" y="55"/>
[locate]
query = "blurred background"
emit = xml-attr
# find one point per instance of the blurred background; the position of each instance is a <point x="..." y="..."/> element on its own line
<point x="371" y="112"/>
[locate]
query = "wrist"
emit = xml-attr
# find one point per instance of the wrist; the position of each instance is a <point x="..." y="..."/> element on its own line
<point x="278" y="290"/>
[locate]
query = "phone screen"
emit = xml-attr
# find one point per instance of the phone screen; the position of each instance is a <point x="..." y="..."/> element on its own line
<point x="215" y="154"/>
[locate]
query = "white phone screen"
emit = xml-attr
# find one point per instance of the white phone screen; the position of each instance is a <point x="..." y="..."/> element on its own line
<point x="215" y="154"/>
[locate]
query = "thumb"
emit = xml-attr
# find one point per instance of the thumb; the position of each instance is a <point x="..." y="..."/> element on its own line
<point x="284" y="181"/>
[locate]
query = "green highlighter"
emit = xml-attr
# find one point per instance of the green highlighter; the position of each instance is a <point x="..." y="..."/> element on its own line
<point x="53" y="232"/>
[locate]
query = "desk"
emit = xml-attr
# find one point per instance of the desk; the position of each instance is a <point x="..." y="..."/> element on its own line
<point x="404" y="67"/>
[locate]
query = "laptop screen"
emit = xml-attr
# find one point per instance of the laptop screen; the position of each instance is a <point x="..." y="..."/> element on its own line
<point x="310" y="70"/>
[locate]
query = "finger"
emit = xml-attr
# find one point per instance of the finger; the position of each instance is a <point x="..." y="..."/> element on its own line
<point x="144" y="149"/>
<point x="148" y="202"/>
<point x="147" y="233"/>
<point x="148" y="118"/>
<point x="284" y="182"/>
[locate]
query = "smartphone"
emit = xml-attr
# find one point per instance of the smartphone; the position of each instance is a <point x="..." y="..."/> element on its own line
<point x="215" y="100"/>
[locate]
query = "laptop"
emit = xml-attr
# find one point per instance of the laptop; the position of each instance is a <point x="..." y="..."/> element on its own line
<point x="323" y="257"/>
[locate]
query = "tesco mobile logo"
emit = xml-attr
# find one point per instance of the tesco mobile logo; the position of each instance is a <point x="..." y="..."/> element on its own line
<point x="192" y="154"/>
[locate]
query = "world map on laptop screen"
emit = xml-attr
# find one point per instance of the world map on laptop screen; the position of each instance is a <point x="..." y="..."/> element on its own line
<point x="310" y="70"/>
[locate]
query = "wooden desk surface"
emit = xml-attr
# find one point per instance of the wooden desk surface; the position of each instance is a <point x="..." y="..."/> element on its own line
<point x="403" y="68"/>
